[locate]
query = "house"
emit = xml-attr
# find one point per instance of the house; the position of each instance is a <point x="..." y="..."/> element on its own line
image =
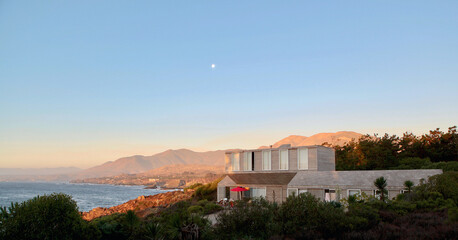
<point x="276" y="173"/>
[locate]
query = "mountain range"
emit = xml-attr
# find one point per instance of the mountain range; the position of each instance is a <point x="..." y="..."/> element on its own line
<point x="139" y="164"/>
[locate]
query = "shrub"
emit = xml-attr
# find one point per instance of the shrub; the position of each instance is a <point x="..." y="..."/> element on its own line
<point x="207" y="191"/>
<point x="445" y="184"/>
<point x="248" y="220"/>
<point x="212" y="208"/>
<point x="53" y="216"/>
<point x="195" y="209"/>
<point x="303" y="215"/>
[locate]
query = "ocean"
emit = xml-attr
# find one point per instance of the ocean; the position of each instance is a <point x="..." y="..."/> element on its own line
<point x="87" y="196"/>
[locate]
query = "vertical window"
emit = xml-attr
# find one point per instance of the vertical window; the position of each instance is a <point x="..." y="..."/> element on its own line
<point x="283" y="159"/>
<point x="266" y="160"/>
<point x="303" y="158"/>
<point x="329" y="195"/>
<point x="248" y="157"/>
<point x="235" y="161"/>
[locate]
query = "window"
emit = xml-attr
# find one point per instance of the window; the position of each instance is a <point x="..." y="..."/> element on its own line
<point x="266" y="160"/>
<point x="330" y="195"/>
<point x="303" y="158"/>
<point x="258" y="192"/>
<point x="283" y="159"/>
<point x="248" y="157"/>
<point x="404" y="191"/>
<point x="352" y="192"/>
<point x="291" y="191"/>
<point x="235" y="159"/>
<point x="303" y="191"/>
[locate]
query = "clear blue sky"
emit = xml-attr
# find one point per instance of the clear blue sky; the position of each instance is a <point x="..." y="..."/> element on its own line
<point x="84" y="82"/>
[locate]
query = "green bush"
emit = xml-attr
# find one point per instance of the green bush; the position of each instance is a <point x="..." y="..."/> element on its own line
<point x="195" y="209"/>
<point x="212" y="208"/>
<point x="53" y="216"/>
<point x="111" y="227"/>
<point x="207" y="191"/>
<point x="303" y="215"/>
<point x="248" y="221"/>
<point x="445" y="184"/>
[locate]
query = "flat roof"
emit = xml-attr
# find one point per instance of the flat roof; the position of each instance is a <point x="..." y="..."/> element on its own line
<point x="360" y="179"/>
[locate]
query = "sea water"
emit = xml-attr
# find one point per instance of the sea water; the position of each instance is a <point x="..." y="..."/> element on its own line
<point x="87" y="196"/>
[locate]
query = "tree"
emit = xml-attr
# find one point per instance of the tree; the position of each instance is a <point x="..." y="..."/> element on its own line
<point x="380" y="184"/>
<point x="54" y="216"/>
<point x="408" y="185"/>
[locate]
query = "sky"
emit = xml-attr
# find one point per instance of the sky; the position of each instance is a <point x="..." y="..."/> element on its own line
<point x="85" y="82"/>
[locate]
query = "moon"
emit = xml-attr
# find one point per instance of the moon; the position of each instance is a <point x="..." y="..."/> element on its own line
<point x="213" y="66"/>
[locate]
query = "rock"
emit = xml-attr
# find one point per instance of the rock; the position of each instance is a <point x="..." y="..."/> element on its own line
<point x="143" y="205"/>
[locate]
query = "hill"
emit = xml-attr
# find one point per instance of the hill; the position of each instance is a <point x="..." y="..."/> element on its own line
<point x="337" y="138"/>
<point x="138" y="163"/>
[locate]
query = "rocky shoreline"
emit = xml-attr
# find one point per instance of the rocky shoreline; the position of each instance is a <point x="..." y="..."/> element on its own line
<point x="143" y="205"/>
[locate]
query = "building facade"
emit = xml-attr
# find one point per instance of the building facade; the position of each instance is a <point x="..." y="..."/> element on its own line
<point x="276" y="173"/>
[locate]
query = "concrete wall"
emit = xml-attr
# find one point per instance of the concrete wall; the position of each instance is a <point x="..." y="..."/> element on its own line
<point x="275" y="160"/>
<point x="327" y="160"/>
<point x="292" y="165"/>
<point x="274" y="193"/>
<point x="313" y="158"/>
<point x="258" y="161"/>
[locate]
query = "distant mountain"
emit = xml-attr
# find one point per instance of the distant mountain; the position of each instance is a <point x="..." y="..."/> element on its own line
<point x="337" y="138"/>
<point x="139" y="163"/>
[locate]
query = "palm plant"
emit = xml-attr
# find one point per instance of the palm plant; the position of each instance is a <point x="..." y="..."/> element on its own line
<point x="408" y="185"/>
<point x="380" y="184"/>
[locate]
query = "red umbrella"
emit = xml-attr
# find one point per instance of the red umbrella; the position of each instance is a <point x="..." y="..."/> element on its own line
<point x="239" y="189"/>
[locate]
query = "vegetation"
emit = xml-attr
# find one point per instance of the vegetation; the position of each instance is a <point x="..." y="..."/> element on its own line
<point x="436" y="150"/>
<point x="54" y="216"/>
<point x="380" y="184"/>
<point x="427" y="210"/>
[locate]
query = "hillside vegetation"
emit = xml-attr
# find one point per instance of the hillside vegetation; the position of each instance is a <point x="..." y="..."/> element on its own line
<point x="435" y="150"/>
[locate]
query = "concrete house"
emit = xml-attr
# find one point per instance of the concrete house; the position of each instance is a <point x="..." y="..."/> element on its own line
<point x="275" y="173"/>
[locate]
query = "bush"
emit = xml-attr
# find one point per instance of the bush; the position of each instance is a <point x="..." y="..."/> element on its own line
<point x="248" y="220"/>
<point x="212" y="208"/>
<point x="445" y="184"/>
<point x="304" y="215"/>
<point x="207" y="191"/>
<point x="54" y="216"/>
<point x="195" y="209"/>
<point x="111" y="227"/>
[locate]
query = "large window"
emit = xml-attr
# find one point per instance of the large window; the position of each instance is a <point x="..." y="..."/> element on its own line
<point x="303" y="158"/>
<point x="302" y="191"/>
<point x="248" y="158"/>
<point x="235" y="160"/>
<point x="354" y="192"/>
<point x="258" y="192"/>
<point x="266" y="160"/>
<point x="283" y="159"/>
